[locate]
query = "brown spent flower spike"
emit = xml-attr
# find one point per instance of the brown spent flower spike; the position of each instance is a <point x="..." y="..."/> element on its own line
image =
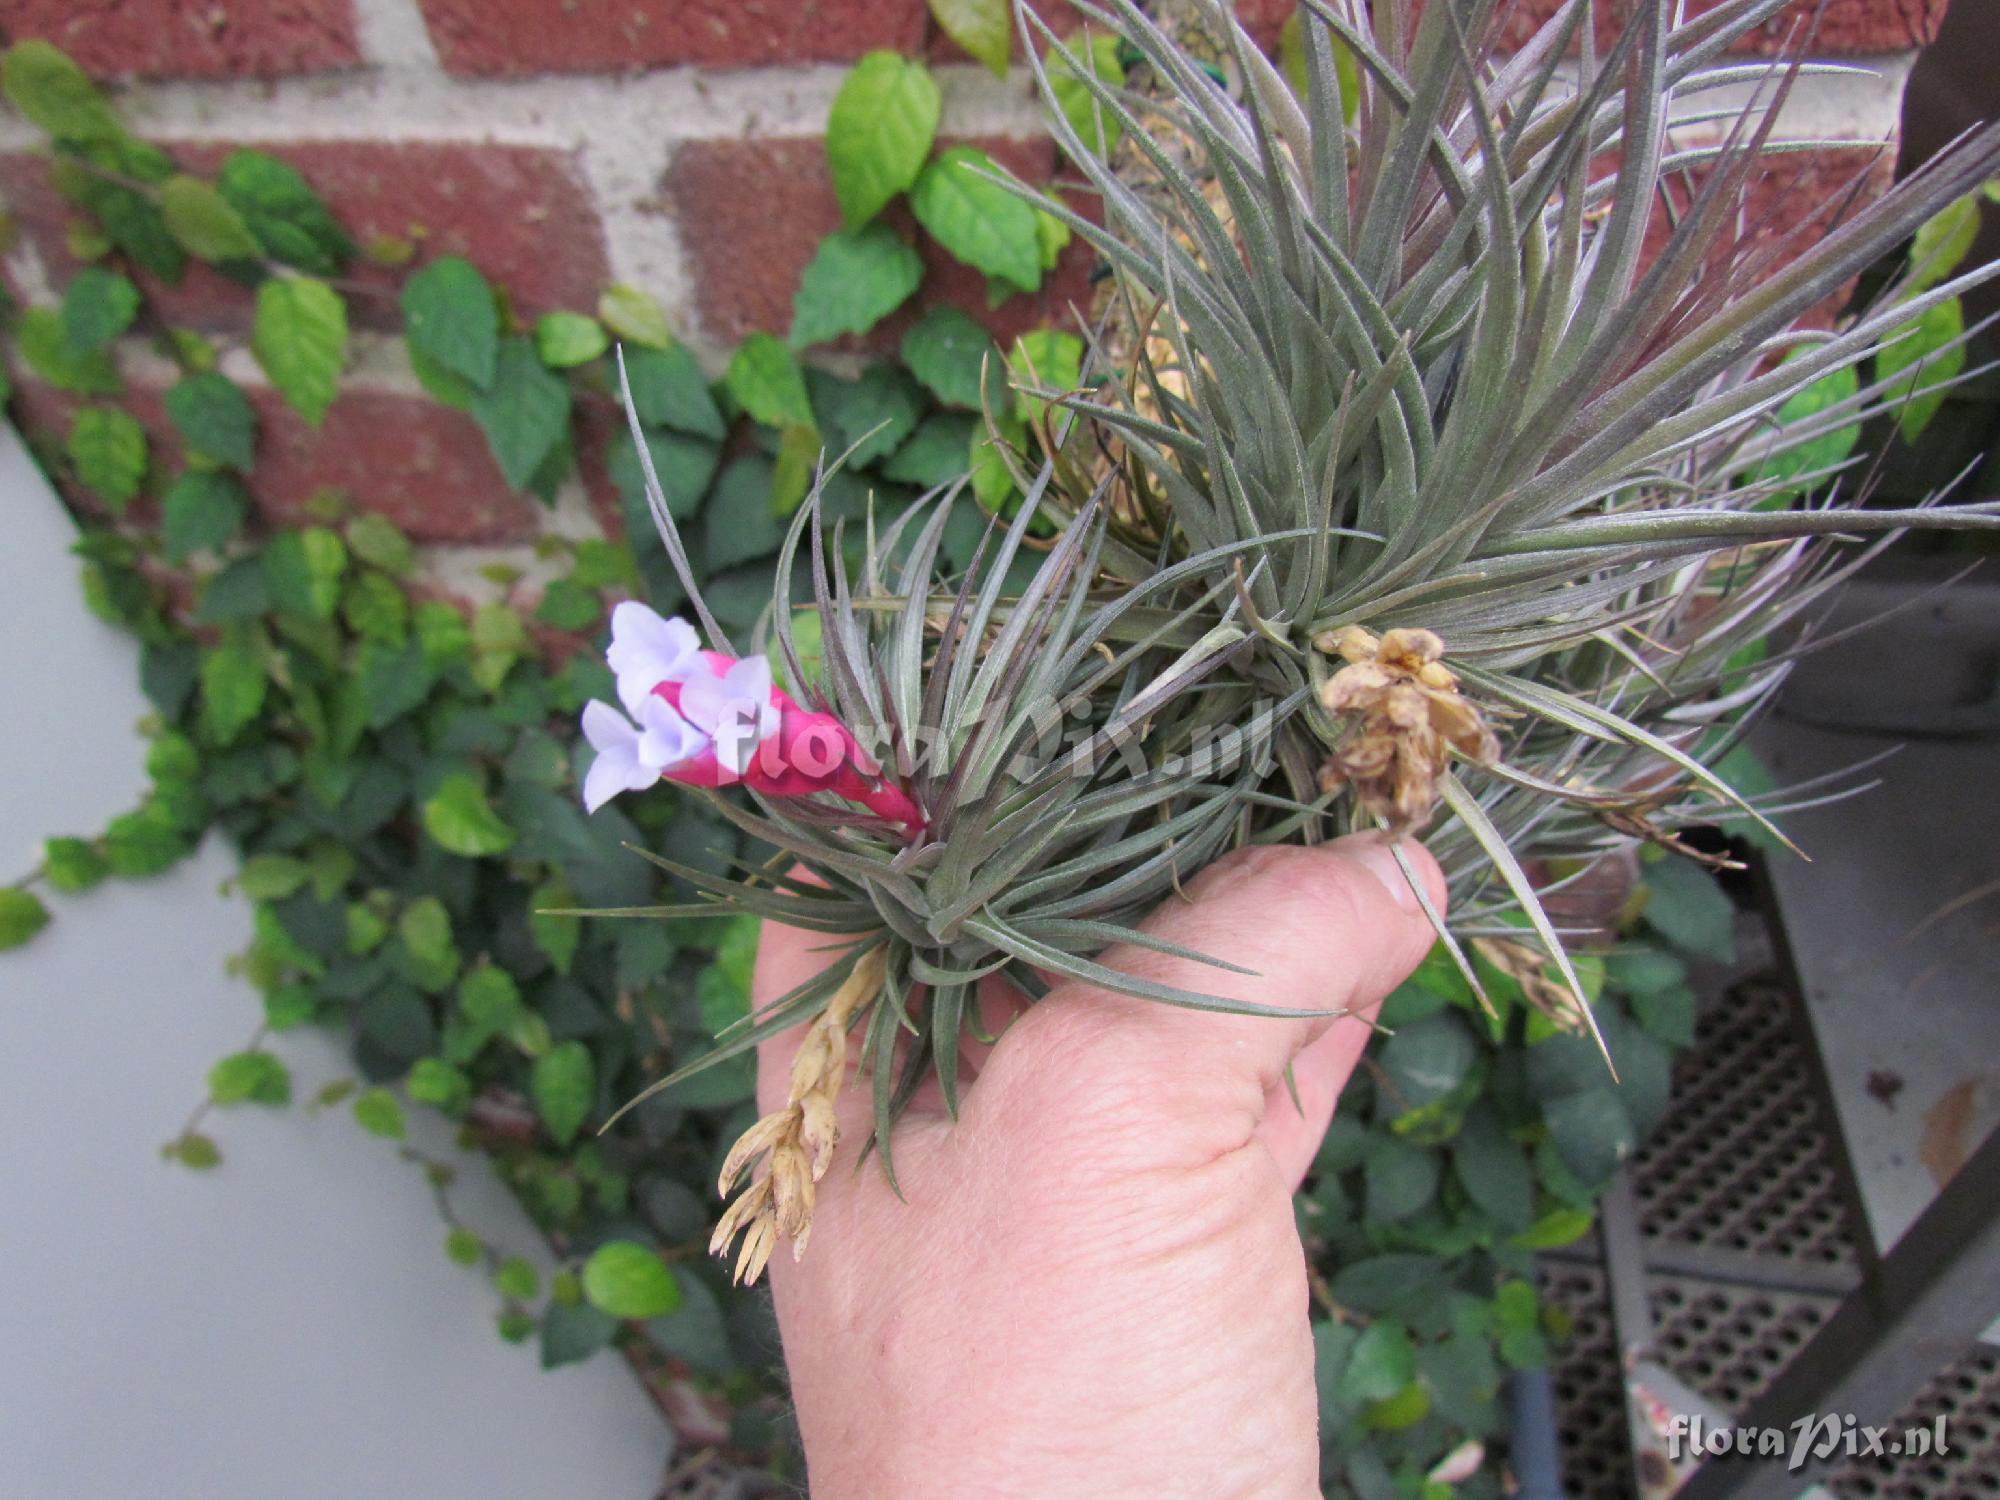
<point x="1409" y="716"/>
<point x="1529" y="969"/>
<point x="799" y="1138"/>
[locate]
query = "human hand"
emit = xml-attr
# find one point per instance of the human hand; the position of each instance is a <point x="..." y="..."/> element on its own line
<point x="1096" y="1287"/>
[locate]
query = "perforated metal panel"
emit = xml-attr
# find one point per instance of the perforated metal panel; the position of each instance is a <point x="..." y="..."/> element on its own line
<point x="1741" y="1163"/>
<point x="1967" y="1396"/>
<point x="1590" y="1390"/>
<point x="1729" y="1342"/>
<point x="1739" y="1181"/>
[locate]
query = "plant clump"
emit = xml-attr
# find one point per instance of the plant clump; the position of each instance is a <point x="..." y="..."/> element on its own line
<point x="1414" y="479"/>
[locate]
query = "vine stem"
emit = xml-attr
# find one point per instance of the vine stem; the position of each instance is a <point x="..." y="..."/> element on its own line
<point x="438" y="1174"/>
<point x="201" y="1111"/>
<point x="1322" y="1292"/>
<point x="150" y="191"/>
<point x="686" y="1250"/>
<point x="116" y="179"/>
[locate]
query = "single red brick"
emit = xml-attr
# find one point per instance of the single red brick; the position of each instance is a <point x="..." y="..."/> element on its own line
<point x="423" y="465"/>
<point x="191" y="38"/>
<point x="487" y="38"/>
<point x="522" y="214"/>
<point x="752" y="212"/>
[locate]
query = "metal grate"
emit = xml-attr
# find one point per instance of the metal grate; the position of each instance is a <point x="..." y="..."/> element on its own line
<point x="1967" y="1396"/>
<point x="1740" y="1178"/>
<point x="1742" y="1161"/>
<point x="1729" y="1342"/>
<point x="1590" y="1389"/>
<point x="1725" y="1341"/>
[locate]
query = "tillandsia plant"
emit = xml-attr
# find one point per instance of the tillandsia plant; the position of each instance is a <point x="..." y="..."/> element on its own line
<point x="1424" y="477"/>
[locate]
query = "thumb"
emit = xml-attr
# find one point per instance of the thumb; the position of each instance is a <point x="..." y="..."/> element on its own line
<point x="1333" y="927"/>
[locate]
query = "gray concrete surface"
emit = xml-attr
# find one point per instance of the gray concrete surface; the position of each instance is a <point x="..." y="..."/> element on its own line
<point x="1893" y="923"/>
<point x="286" y="1326"/>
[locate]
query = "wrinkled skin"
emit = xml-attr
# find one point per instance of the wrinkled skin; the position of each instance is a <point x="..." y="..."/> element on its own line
<point x="1096" y="1287"/>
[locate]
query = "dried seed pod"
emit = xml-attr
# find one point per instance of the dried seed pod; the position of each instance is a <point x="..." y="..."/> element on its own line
<point x="1407" y="717"/>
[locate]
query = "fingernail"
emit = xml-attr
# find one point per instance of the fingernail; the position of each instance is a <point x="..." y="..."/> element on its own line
<point x="1373" y="853"/>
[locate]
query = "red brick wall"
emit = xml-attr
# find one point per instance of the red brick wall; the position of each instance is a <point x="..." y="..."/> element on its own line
<point x="751" y="212"/>
<point x="515" y="37"/>
<point x="523" y="215"/>
<point x="193" y="38"/>
<point x="1853" y="28"/>
<point x="560" y="145"/>
<point x="1846" y="27"/>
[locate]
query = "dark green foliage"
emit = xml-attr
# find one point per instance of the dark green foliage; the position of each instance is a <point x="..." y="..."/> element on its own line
<point x="524" y="411"/>
<point x="449" y="317"/>
<point x="97" y="306"/>
<point x="214" y="417"/>
<point x="1432" y="1275"/>
<point x="288" y="219"/>
<point x="402" y="827"/>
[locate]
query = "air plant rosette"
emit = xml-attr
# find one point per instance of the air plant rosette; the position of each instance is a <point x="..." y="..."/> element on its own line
<point x="1411" y="488"/>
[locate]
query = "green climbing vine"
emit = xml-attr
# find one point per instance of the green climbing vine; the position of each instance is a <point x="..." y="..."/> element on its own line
<point x="398" y="772"/>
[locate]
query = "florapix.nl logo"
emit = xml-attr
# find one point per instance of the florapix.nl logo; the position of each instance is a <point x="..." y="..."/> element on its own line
<point x="1811" y="1439"/>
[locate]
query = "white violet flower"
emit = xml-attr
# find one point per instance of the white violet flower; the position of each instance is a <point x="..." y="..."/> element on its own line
<point x="629" y="759"/>
<point x="734" y="710"/>
<point x="646" y="651"/>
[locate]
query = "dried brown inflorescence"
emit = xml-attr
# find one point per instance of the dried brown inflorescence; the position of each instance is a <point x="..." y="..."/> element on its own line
<point x="799" y="1138"/>
<point x="1407" y="716"/>
<point x="1529" y="969"/>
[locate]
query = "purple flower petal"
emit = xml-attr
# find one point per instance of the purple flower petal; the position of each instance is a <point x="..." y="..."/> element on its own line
<point x="667" y="739"/>
<point x="605" y="727"/>
<point x="647" y="650"/>
<point x="615" y="770"/>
